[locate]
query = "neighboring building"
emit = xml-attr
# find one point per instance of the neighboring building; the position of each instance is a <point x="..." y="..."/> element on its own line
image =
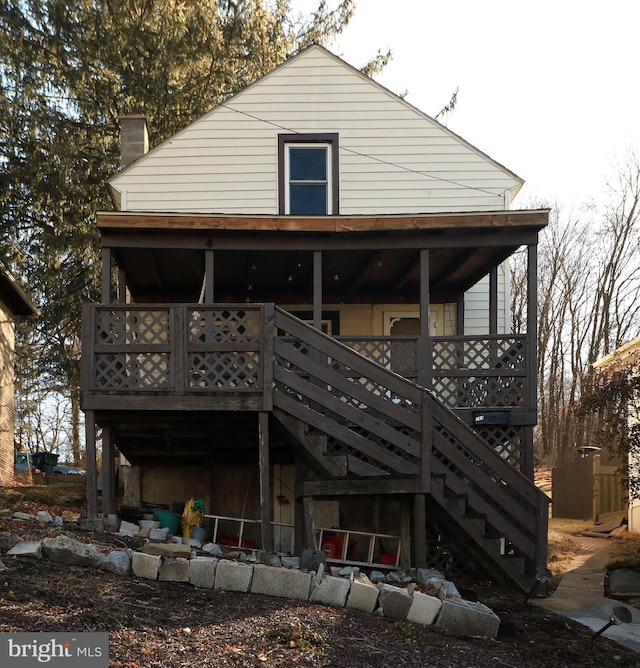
<point x="13" y="302"/>
<point x="294" y="268"/>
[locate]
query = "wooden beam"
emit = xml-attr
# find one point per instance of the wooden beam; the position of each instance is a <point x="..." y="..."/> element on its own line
<point x="405" y="532"/>
<point x="335" y="223"/>
<point x="92" y="473"/>
<point x="208" y="277"/>
<point x="265" y="482"/>
<point x="108" y="472"/>
<point x="352" y="487"/>
<point x="425" y="362"/>
<point x="106" y="275"/>
<point x="317" y="290"/>
<point x="532" y="326"/>
<point x="419" y="530"/>
<point x="493" y="301"/>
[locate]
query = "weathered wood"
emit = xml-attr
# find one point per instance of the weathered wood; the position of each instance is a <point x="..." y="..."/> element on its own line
<point x="106" y="276"/>
<point x="329" y="425"/>
<point x="108" y="472"/>
<point x="420" y="530"/>
<point x="92" y="472"/>
<point x="266" y="355"/>
<point x="336" y="223"/>
<point x="493" y="301"/>
<point x="405" y="532"/>
<point x="334" y="466"/>
<point x="354" y="487"/>
<point x="532" y="323"/>
<point x="208" y="276"/>
<point x="426" y="452"/>
<point x="309" y="528"/>
<point x="205" y="400"/>
<point x="266" y="527"/>
<point x="425" y="364"/>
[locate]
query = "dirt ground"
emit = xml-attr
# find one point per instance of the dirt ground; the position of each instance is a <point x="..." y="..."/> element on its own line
<point x="175" y="625"/>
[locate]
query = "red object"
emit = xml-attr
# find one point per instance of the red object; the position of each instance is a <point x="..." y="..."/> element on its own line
<point x="388" y="558"/>
<point x="332" y="547"/>
<point x="232" y="541"/>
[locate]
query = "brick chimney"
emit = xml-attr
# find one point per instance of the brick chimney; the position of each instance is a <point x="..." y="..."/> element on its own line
<point x="134" y="133"/>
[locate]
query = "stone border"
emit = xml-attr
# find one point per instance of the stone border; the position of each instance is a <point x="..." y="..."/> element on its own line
<point x="275" y="575"/>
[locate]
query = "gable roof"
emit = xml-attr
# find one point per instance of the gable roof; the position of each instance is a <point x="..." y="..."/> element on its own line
<point x="12" y="294"/>
<point x="261" y="109"/>
<point x="626" y="355"/>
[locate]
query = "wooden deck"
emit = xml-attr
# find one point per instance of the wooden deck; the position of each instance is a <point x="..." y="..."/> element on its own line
<point x="351" y="406"/>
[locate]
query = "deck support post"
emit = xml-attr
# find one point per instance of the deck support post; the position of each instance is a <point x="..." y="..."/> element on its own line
<point x="419" y="530"/>
<point x="106" y="275"/>
<point x="92" y="478"/>
<point x="425" y="361"/>
<point x="493" y="301"/>
<point x="108" y="472"/>
<point x="265" y="482"/>
<point x="208" y="277"/>
<point x="532" y="356"/>
<point x="305" y="536"/>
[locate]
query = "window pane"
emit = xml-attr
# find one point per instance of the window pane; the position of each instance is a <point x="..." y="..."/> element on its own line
<point x="307" y="164"/>
<point x="308" y="199"/>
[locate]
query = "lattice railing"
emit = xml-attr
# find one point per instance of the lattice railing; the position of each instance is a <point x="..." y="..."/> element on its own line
<point x="173" y="348"/>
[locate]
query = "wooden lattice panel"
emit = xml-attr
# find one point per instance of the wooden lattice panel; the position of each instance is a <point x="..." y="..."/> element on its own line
<point x="507" y="441"/>
<point x="399" y="356"/>
<point x="120" y="326"/>
<point x="142" y="371"/>
<point x="479" y="353"/>
<point x="223" y="325"/>
<point x="223" y="370"/>
<point x="473" y="392"/>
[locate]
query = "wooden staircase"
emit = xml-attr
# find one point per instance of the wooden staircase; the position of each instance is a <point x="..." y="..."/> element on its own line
<point x="366" y="429"/>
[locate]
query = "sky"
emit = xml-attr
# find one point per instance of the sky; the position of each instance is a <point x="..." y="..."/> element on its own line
<point x="548" y="88"/>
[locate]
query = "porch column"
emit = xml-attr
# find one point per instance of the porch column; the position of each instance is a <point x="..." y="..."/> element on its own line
<point x="208" y="277"/>
<point x="460" y="316"/>
<point x="420" y="530"/>
<point x="425" y="362"/>
<point x="493" y="301"/>
<point x="265" y="482"/>
<point x="122" y="287"/>
<point x="532" y="352"/>
<point x="317" y="289"/>
<point x="106" y="276"/>
<point x="108" y="473"/>
<point x="92" y="478"/>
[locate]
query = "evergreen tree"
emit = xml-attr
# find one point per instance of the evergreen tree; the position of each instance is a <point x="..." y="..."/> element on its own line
<point x="68" y="71"/>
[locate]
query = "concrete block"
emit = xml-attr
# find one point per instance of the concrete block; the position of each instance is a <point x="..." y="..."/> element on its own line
<point x="282" y="582"/>
<point x="363" y="596"/>
<point x="233" y="576"/>
<point x="167" y="549"/>
<point x="202" y="572"/>
<point x="145" y="565"/>
<point x="394" y="601"/>
<point x="31" y="549"/>
<point x="466" y="618"/>
<point x="174" y="569"/>
<point x="129" y="529"/>
<point x="331" y="591"/>
<point x="424" y="608"/>
<point x="158" y="535"/>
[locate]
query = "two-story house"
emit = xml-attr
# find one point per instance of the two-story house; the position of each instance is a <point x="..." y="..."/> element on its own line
<point x="309" y="328"/>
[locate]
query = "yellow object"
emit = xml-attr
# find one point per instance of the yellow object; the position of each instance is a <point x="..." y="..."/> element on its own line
<point x="192" y="516"/>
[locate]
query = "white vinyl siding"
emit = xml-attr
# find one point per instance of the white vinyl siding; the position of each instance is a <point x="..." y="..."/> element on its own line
<point x="226" y="162"/>
<point x="476" y="305"/>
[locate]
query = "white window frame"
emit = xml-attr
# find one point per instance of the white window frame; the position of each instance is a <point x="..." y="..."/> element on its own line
<point x="328" y="167"/>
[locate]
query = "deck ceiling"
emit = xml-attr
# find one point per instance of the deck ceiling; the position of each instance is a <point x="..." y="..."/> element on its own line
<point x="266" y="258"/>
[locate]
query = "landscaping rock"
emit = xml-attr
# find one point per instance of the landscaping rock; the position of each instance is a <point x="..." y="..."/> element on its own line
<point x="363" y="595"/>
<point x="6" y="512"/>
<point x="424" y="608"/>
<point x="65" y="550"/>
<point x="233" y="576"/>
<point x="202" y="572"/>
<point x="377" y="576"/>
<point x="623" y="582"/>
<point x="281" y="582"/>
<point x="331" y="591"/>
<point x="167" y="549"/>
<point x="26" y="549"/>
<point x="311" y="560"/>
<point x="174" y="569"/>
<point x="58" y="521"/>
<point x="213" y="549"/>
<point x="467" y="618"/>
<point x="290" y="562"/>
<point x="44" y="516"/>
<point x="423" y="575"/>
<point x="349" y="571"/>
<point x="394" y="601"/>
<point x="6" y="543"/>
<point x="118" y="562"/>
<point x="159" y="535"/>
<point x="22" y="516"/>
<point x="450" y="590"/>
<point x="129" y="529"/>
<point x="70" y="516"/>
<point x="145" y="565"/>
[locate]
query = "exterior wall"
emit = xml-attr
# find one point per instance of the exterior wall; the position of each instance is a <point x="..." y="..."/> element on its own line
<point x="476" y="304"/>
<point x="393" y="158"/>
<point x="7" y="409"/>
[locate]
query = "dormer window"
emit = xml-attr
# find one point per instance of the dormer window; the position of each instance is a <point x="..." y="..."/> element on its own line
<point x="308" y="174"/>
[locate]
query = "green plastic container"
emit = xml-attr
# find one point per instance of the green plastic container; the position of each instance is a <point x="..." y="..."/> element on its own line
<point x="169" y="520"/>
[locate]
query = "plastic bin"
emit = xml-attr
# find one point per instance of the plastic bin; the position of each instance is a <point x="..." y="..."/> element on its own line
<point x="169" y="520"/>
<point x="332" y="547"/>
